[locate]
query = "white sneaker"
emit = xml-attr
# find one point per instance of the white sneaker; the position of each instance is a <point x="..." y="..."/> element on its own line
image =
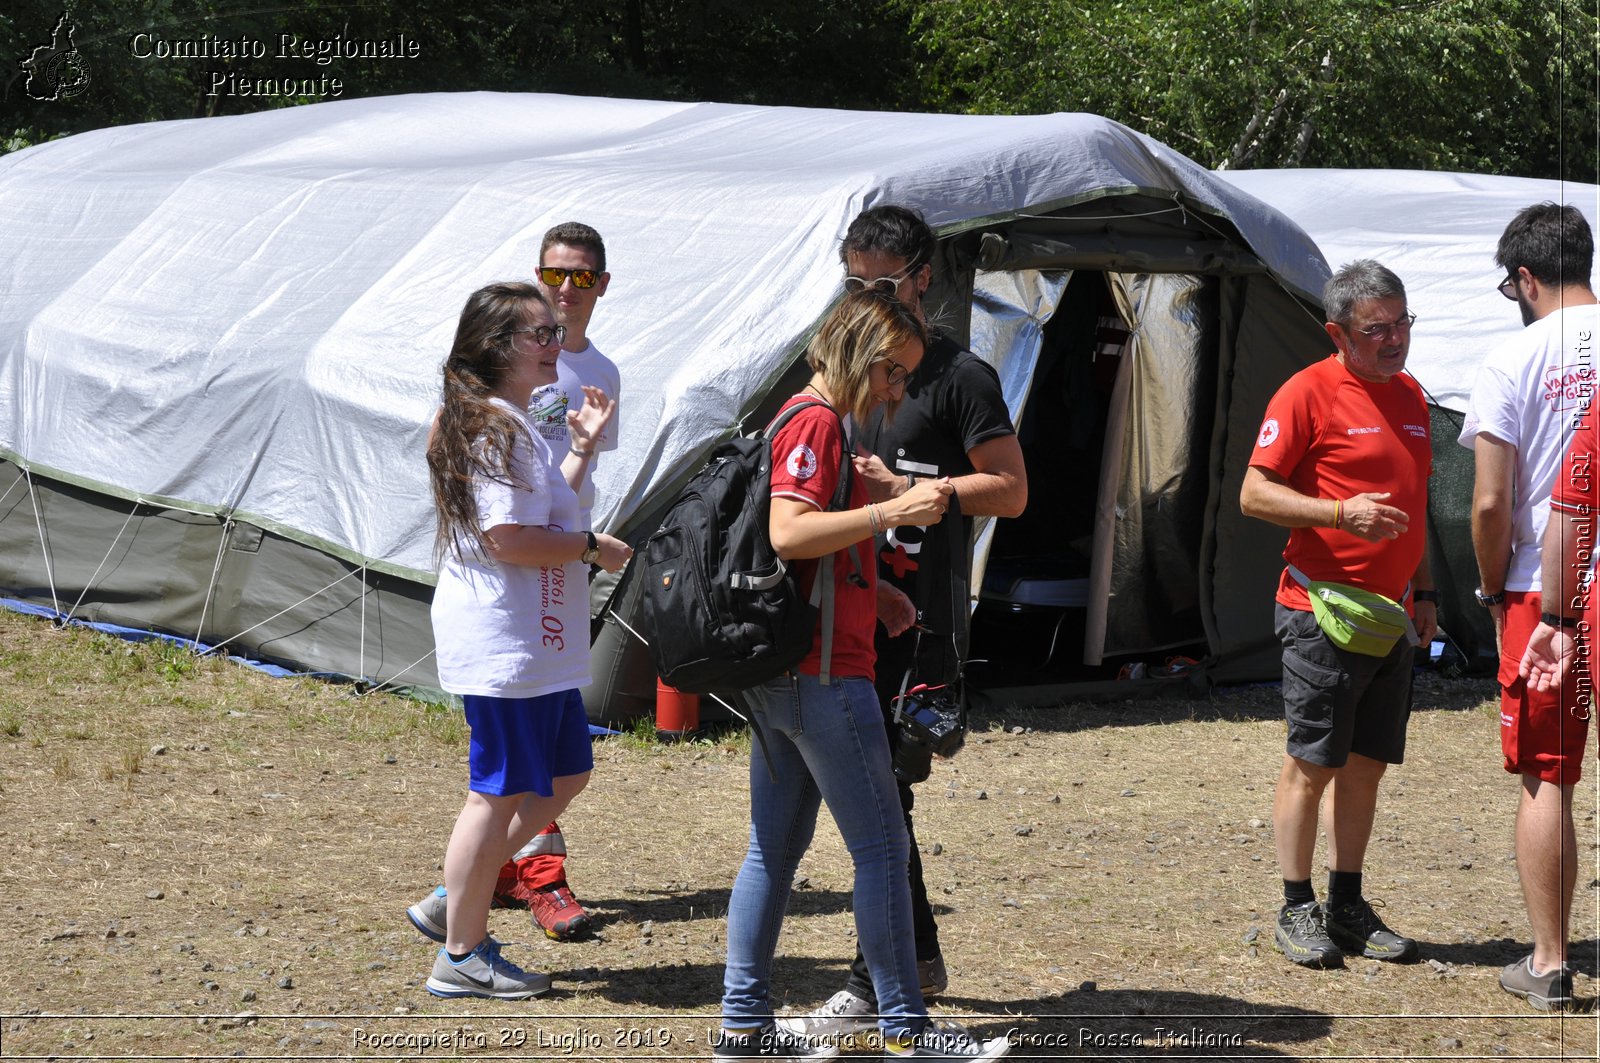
<point x="484" y="973"/>
<point x="844" y="1015"/>
<point x="947" y="1041"/>
<point x="427" y="915"/>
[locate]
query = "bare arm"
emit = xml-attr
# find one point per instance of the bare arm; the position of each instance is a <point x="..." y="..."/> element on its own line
<point x="800" y="530"/>
<point x="997" y="486"/>
<point x="1426" y="614"/>
<point x="1268" y="496"/>
<point x="527" y="544"/>
<point x="1553" y="650"/>
<point x="1492" y="488"/>
<point x="584" y="429"/>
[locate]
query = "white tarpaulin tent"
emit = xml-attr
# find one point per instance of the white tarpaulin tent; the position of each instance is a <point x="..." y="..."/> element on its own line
<point x="220" y="344"/>
<point x="1438" y="232"/>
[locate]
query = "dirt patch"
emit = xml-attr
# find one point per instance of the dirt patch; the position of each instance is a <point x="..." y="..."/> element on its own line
<point x="204" y="862"/>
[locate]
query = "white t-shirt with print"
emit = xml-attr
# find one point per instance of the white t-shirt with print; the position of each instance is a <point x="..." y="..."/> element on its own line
<point x="515" y="631"/>
<point x="549" y="405"/>
<point x="1529" y="393"/>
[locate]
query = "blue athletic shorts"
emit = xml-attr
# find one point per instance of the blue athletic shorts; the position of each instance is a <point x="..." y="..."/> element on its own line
<point x="520" y="744"/>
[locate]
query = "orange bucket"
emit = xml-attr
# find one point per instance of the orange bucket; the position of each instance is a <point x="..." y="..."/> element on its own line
<point x="677" y="713"/>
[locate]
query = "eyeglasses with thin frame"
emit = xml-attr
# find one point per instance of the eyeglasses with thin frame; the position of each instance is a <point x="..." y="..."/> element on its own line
<point x="1393" y="328"/>
<point x="543" y="335"/>
<point x="1508" y="288"/>
<point x="555" y="277"/>
<point x="887" y="285"/>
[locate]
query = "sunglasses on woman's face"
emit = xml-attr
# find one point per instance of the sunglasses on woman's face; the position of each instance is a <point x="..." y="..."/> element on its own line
<point x="581" y="278"/>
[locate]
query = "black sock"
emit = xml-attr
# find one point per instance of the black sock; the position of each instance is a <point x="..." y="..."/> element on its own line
<point x="1298" y="892"/>
<point x="457" y="957"/>
<point x="1344" y="887"/>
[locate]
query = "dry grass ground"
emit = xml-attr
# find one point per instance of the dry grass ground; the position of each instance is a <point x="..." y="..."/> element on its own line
<point x="202" y="862"/>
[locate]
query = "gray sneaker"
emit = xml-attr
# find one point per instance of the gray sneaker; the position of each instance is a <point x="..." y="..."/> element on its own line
<point x="844" y="1015"/>
<point x="947" y="1041"/>
<point x="484" y="973"/>
<point x="427" y="915"/>
<point x="1551" y="991"/>
<point x="931" y="974"/>
<point x="1302" y="935"/>
<point x="1358" y="930"/>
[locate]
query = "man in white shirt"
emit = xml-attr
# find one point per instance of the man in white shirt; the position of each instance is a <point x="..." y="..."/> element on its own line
<point x="1526" y="400"/>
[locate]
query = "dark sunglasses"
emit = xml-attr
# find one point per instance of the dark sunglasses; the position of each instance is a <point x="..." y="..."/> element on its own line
<point x="1508" y="288"/>
<point x="581" y="278"/>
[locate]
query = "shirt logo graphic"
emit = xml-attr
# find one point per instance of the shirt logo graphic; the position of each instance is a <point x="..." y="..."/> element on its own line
<point x="1269" y="432"/>
<point x="802" y="463"/>
<point x="1374" y="430"/>
<point x="1568" y="390"/>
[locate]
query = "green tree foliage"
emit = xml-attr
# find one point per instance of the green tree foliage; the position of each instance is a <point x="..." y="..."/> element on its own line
<point x="815" y="53"/>
<point x="1492" y="86"/>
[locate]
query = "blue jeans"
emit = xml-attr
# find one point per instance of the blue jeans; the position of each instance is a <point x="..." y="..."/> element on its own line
<point x="827" y="743"/>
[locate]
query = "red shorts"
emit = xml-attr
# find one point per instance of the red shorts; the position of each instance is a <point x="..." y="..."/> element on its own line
<point x="1542" y="735"/>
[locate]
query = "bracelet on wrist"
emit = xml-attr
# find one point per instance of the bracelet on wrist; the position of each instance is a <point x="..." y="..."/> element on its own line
<point x="580" y="453"/>
<point x="1425" y="596"/>
<point x="1557" y="620"/>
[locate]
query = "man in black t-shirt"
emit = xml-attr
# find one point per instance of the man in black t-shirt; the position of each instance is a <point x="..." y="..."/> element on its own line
<point x="952" y="423"/>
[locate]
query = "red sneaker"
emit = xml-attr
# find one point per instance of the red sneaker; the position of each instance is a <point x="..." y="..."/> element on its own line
<point x="557" y="912"/>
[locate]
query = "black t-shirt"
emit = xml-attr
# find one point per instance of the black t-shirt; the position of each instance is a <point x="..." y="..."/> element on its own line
<point x="953" y="402"/>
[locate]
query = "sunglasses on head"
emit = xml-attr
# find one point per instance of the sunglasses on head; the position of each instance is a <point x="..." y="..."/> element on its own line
<point x="554" y="276"/>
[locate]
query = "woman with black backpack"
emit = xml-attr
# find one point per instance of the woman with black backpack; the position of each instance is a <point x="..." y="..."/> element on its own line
<point x="823" y="725"/>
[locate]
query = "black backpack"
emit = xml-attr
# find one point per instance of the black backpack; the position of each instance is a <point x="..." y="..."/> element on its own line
<point x="724" y="610"/>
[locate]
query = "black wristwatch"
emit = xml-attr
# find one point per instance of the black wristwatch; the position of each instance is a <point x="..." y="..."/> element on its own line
<point x="1425" y="596"/>
<point x="1557" y="620"/>
<point x="591" y="556"/>
<point x="1486" y="600"/>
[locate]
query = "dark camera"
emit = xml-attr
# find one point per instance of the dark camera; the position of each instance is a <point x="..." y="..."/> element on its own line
<point x="931" y="724"/>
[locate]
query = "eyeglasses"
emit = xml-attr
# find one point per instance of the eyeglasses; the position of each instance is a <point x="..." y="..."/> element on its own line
<point x="887" y="285"/>
<point x="1394" y="328"/>
<point x="554" y="276"/>
<point x="897" y="373"/>
<point x="543" y="334"/>
<point x="1508" y="288"/>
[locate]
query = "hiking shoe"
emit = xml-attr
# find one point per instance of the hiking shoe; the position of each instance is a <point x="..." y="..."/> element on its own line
<point x="484" y="973"/>
<point x="1551" y="991"/>
<point x="844" y="1015"/>
<point x="1356" y="928"/>
<point x="1302" y="936"/>
<point x="769" y="1042"/>
<point x="931" y="974"/>
<point x="557" y="912"/>
<point x="427" y="915"/>
<point x="945" y="1040"/>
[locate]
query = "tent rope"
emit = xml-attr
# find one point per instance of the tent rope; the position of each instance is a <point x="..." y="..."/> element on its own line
<point x="44" y="547"/>
<point x="390" y="681"/>
<point x="137" y="502"/>
<point x="280" y="612"/>
<point x="13" y="487"/>
<point x="216" y="571"/>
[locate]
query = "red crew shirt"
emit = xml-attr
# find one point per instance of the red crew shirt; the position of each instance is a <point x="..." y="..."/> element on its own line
<point x="1330" y="434"/>
<point x="805" y="466"/>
